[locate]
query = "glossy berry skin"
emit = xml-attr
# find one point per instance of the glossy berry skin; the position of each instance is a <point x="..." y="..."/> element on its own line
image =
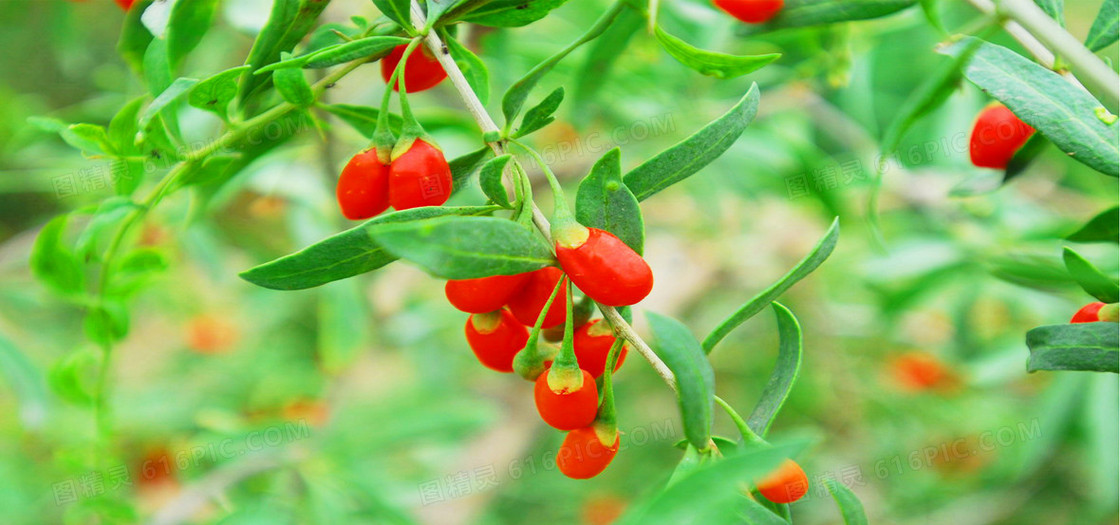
<point x="486" y="294"/>
<point x="593" y="343"/>
<point x="363" y="187"/>
<point x="606" y="269"/>
<point x="750" y="11"/>
<point x="496" y="338"/>
<point x="1087" y="313"/>
<point x="786" y="484"/>
<point x="996" y="136"/>
<point x="528" y="303"/>
<point x="422" y="71"/>
<point x="583" y="456"/>
<point x="419" y="177"/>
<point x="567" y="410"/>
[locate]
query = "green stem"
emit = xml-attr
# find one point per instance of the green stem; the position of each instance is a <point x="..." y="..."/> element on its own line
<point x="749" y="436"/>
<point x="561" y="212"/>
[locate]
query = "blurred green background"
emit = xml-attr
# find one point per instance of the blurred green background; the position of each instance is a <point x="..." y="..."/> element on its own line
<point x="230" y="404"/>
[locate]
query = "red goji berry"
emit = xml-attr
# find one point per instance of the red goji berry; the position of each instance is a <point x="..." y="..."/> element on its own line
<point x="605" y="268"/>
<point x="593" y="343"/>
<point x="422" y="71"/>
<point x="419" y="177"/>
<point x="786" y="484"/>
<point x="125" y="4"/>
<point x="583" y="455"/>
<point x="750" y="11"/>
<point x="527" y="304"/>
<point x="996" y="136"/>
<point x="496" y="338"/>
<point x="567" y="409"/>
<point x="486" y="294"/>
<point x="1087" y="313"/>
<point x="363" y="187"/>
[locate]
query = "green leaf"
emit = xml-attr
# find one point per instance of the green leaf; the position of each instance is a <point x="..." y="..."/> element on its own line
<point x="174" y="92"/>
<point x="124" y="125"/>
<point x="157" y="70"/>
<point x="214" y="94"/>
<point x="473" y="68"/>
<point x="603" y="201"/>
<point x="464" y="166"/>
<point x="110" y="212"/>
<point x="293" y="86"/>
<point x="1105" y="227"/>
<point x="1091" y="347"/>
<point x="1106" y="28"/>
<point x="713" y="494"/>
<point x="696" y="383"/>
<point x="437" y="8"/>
<point x="811" y="261"/>
<point x="53" y="263"/>
<point x="490" y="178"/>
<point x="1090" y="278"/>
<point x="106" y="323"/>
<point x="690" y="155"/>
<point x="515" y="96"/>
<point x="288" y="23"/>
<point x="135" y="37"/>
<point x="803" y="13"/>
<point x="399" y="11"/>
<point x="465" y="247"/>
<point x="784" y="375"/>
<point x="343" y="255"/>
<point x="366" y="47"/>
<point x="710" y="63"/>
<point x="1063" y="113"/>
<point x="89" y="138"/>
<point x="931" y="8"/>
<point x="540" y="115"/>
<point x="188" y="23"/>
<point x="71" y="377"/>
<point x="1053" y="9"/>
<point x="511" y="13"/>
<point x="933" y="92"/>
<point x="363" y="118"/>
<point x="850" y="507"/>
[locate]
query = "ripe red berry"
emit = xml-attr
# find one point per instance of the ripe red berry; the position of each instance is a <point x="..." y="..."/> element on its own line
<point x="422" y="71"/>
<point x="486" y="294"/>
<point x="567" y="409"/>
<point x="495" y="338"/>
<point x="1087" y="313"/>
<point x="527" y="304"/>
<point x="593" y="343"/>
<point x="125" y="4"/>
<point x="786" y="484"/>
<point x="996" y="136"/>
<point x="606" y="269"/>
<point x="363" y="187"/>
<point x="419" y="177"/>
<point x="583" y="455"/>
<point x="750" y="11"/>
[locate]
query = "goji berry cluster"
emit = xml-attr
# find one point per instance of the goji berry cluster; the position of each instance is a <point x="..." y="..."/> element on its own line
<point x="418" y="177"/>
<point x="504" y="308"/>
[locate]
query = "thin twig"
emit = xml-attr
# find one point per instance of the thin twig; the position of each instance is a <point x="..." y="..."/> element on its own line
<point x="487" y="125"/>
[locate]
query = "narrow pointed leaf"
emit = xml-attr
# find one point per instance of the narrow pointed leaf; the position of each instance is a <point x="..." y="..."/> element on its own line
<point x="189" y="22"/>
<point x="1105" y="227"/>
<point x="1090" y="278"/>
<point x="473" y="68"/>
<point x="811" y="261"/>
<point x="851" y="509"/>
<point x="676" y="346"/>
<point x="490" y="179"/>
<point x="691" y="155"/>
<point x="711" y="63"/>
<point x="1106" y="27"/>
<point x="786" y="369"/>
<point x="343" y="255"/>
<point x="603" y="201"/>
<point x="540" y="115"/>
<point x="803" y="13"/>
<point x="465" y="247"/>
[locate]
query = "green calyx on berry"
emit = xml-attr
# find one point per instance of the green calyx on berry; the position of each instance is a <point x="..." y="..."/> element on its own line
<point x="533" y="360"/>
<point x="1109" y="313"/>
<point x="565" y="374"/>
